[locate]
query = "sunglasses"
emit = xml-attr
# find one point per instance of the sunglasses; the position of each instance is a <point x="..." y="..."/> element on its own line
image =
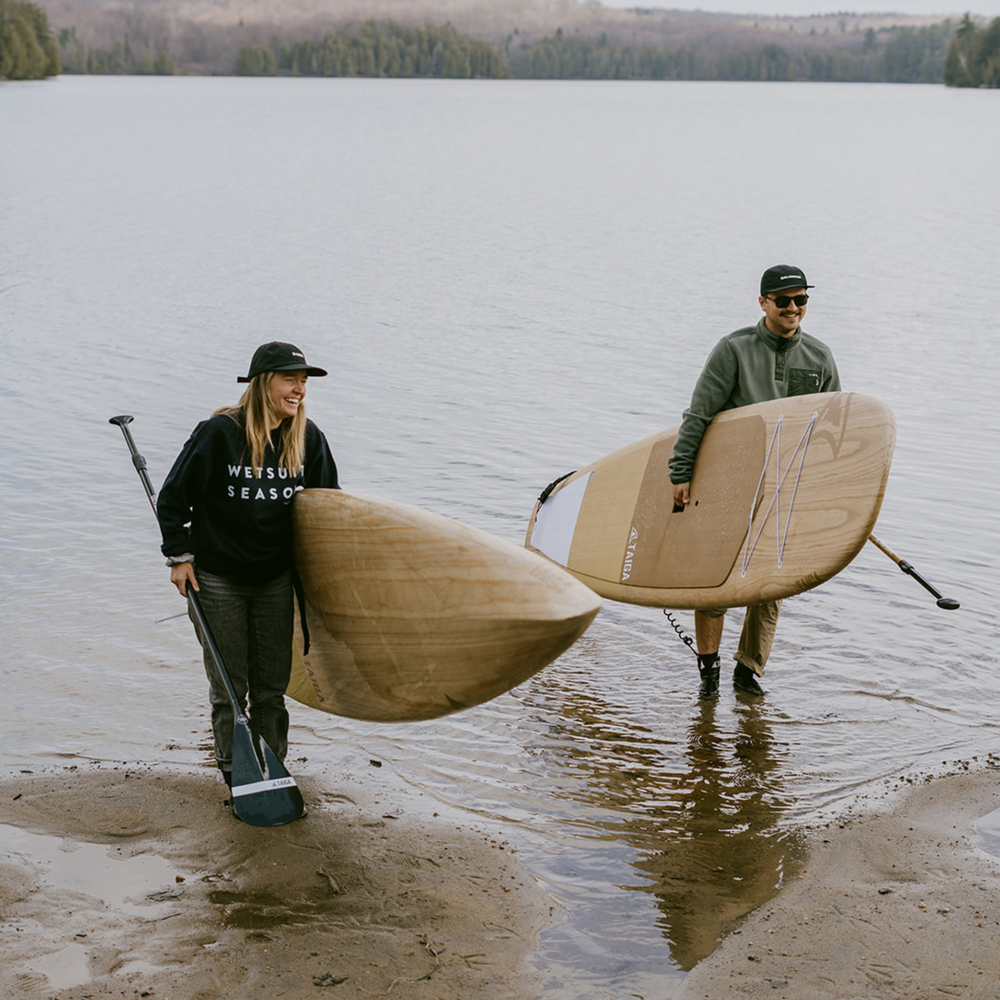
<point x="783" y="301"/>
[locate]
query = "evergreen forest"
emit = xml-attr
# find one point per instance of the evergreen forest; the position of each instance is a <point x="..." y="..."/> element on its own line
<point x="904" y="55"/>
<point x="974" y="55"/>
<point x="27" y="49"/>
<point x="385" y="49"/>
<point x="122" y="58"/>
<point x="382" y="49"/>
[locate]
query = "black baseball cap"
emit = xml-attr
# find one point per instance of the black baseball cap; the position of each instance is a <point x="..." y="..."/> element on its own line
<point x="278" y="357"/>
<point x="782" y="276"/>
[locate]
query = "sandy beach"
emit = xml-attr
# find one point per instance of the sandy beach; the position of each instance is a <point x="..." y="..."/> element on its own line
<point x="138" y="883"/>
<point x="180" y="900"/>
<point x="901" y="903"/>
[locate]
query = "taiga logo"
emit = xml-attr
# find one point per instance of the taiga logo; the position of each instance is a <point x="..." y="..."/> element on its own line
<point x="633" y="540"/>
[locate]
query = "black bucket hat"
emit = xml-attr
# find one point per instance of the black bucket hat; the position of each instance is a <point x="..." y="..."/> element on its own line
<point x="782" y="276"/>
<point x="278" y="357"/>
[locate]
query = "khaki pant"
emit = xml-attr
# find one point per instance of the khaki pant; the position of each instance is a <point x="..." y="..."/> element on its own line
<point x="759" y="626"/>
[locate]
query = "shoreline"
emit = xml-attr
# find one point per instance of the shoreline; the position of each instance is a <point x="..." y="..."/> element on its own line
<point x="132" y="881"/>
<point x="900" y="903"/>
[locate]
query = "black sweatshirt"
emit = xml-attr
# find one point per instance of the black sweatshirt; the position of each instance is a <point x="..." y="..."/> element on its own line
<point x="237" y="524"/>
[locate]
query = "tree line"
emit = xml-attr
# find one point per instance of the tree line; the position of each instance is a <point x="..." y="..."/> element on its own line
<point x="380" y="49"/>
<point x="963" y="55"/>
<point x="386" y="49"/>
<point x="27" y="49"/>
<point x="120" y="59"/>
<point x="904" y="55"/>
<point x="974" y="55"/>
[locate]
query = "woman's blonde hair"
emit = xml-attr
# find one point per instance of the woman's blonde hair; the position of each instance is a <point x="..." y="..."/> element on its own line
<point x="257" y="413"/>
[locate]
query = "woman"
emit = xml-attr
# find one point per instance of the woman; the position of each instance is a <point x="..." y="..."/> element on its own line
<point x="226" y="519"/>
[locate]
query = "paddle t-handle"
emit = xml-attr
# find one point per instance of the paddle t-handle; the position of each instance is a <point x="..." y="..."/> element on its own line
<point x="138" y="461"/>
<point x="948" y="603"/>
<point x="264" y="793"/>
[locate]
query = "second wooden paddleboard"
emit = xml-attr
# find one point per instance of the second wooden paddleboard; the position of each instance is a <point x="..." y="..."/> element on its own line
<point x="412" y="615"/>
<point x="784" y="495"/>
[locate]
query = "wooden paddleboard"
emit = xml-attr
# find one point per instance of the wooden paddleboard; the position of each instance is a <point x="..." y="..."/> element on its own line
<point x="412" y="615"/>
<point x="784" y="495"/>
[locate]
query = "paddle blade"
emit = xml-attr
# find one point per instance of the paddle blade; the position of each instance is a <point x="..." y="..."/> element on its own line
<point x="265" y="796"/>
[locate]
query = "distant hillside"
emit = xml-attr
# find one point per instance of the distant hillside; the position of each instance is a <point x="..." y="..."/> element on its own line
<point x="532" y="38"/>
<point x="493" y="20"/>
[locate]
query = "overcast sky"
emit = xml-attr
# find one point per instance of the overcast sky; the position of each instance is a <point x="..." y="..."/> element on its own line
<point x="989" y="8"/>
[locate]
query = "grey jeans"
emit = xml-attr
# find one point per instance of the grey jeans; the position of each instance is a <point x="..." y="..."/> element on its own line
<point x="252" y="627"/>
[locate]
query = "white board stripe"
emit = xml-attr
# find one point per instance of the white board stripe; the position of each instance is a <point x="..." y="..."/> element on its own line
<point x="556" y="520"/>
<point x="263" y="786"/>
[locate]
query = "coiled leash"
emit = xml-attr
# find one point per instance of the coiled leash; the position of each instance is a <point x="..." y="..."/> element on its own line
<point x="681" y="634"/>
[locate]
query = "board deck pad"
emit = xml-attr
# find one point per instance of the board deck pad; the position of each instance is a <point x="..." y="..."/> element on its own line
<point x="695" y="551"/>
<point x="411" y="615"/>
<point x="783" y="496"/>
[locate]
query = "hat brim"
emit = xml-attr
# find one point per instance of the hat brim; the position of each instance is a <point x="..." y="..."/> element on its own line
<point x="785" y="286"/>
<point x="308" y="369"/>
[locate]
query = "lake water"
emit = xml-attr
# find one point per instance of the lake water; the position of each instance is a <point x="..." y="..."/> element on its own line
<point x="507" y="280"/>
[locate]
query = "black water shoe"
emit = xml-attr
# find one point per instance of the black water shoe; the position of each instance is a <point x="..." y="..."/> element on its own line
<point x="708" y="670"/>
<point x="709" y="687"/>
<point x="746" y="680"/>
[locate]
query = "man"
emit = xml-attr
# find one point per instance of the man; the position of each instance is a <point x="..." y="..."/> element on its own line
<point x="771" y="360"/>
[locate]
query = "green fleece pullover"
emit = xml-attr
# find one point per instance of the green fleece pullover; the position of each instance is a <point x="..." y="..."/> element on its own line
<point x="748" y="366"/>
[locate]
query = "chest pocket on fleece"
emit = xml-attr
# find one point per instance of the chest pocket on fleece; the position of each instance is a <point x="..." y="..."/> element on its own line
<point x="802" y="381"/>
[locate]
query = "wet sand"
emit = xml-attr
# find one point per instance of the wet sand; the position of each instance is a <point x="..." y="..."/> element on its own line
<point x="139" y="883"/>
<point x="899" y="904"/>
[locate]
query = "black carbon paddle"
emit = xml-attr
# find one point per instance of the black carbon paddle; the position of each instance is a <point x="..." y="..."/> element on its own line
<point x="947" y="603"/>
<point x="264" y="793"/>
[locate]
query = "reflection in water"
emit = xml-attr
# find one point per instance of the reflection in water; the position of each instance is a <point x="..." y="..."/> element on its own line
<point x="702" y="816"/>
<point x="725" y="852"/>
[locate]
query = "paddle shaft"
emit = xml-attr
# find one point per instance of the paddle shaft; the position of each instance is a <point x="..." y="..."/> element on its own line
<point x="943" y="602"/>
<point x="192" y="595"/>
